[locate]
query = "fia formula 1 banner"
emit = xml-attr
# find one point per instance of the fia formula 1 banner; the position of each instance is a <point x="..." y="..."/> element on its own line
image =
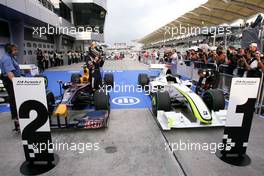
<point x="32" y="110"/>
<point x="240" y="113"/>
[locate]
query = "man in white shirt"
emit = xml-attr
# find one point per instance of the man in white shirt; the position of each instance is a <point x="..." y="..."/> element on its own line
<point x="174" y="61"/>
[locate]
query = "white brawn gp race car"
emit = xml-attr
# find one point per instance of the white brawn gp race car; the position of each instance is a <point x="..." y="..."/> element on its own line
<point x="176" y="105"/>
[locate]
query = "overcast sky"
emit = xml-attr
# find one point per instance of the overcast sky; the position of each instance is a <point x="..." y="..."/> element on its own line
<point x="132" y="19"/>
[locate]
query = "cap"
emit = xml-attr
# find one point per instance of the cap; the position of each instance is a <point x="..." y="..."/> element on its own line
<point x="254" y="45"/>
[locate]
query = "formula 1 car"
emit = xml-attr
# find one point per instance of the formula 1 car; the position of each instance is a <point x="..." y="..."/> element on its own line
<point x="176" y="105"/>
<point x="78" y="94"/>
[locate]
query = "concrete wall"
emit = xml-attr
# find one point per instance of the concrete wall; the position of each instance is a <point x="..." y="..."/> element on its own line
<point x="101" y="3"/>
<point x="34" y="9"/>
<point x="17" y="37"/>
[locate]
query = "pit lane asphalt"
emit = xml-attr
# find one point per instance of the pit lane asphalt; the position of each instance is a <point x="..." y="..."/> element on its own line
<point x="133" y="145"/>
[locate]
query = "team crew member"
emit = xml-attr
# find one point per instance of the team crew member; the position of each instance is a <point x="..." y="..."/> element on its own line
<point x="40" y="60"/>
<point x="94" y="63"/>
<point x="10" y="69"/>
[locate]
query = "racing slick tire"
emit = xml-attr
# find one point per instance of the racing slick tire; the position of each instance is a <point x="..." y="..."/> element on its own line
<point x="50" y="102"/>
<point x="161" y="101"/>
<point x="109" y="79"/>
<point x="101" y="100"/>
<point x="214" y="99"/>
<point x="75" y="78"/>
<point x="143" y="80"/>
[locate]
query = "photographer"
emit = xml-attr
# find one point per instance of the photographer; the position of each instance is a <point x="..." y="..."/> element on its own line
<point x="252" y="63"/>
<point x="220" y="55"/>
<point x="260" y="59"/>
<point x="232" y="57"/>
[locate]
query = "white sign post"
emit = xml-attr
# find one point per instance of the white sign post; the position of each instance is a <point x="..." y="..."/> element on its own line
<point x="34" y="124"/>
<point x="241" y="108"/>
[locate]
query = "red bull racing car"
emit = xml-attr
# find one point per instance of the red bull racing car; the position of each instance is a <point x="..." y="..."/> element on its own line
<point x="78" y="95"/>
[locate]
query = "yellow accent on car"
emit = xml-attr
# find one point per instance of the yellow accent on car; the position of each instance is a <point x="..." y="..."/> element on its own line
<point x="154" y="100"/>
<point x="62" y="111"/>
<point x="194" y="108"/>
<point x="170" y="122"/>
<point x="85" y="78"/>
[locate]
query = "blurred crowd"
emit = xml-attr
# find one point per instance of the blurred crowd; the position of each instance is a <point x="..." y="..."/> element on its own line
<point x="242" y="62"/>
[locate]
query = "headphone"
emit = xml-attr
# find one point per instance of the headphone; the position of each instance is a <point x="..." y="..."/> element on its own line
<point x="9" y="47"/>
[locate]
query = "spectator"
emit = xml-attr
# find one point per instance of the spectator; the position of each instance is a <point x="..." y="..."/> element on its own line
<point x="212" y="57"/>
<point x="194" y="56"/>
<point x="174" y="61"/>
<point x="139" y="56"/>
<point x="154" y="56"/>
<point x="158" y="55"/>
<point x="146" y="57"/>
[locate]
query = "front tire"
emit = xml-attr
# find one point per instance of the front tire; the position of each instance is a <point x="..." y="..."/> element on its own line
<point x="101" y="100"/>
<point x="50" y="102"/>
<point x="161" y="102"/>
<point x="214" y="99"/>
<point x="143" y="80"/>
<point x="109" y="79"/>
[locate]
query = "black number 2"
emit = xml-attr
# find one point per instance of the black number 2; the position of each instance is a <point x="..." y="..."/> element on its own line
<point x="31" y="136"/>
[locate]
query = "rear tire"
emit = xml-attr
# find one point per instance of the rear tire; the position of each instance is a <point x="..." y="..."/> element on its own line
<point x="75" y="78"/>
<point x="143" y="80"/>
<point x="161" y="102"/>
<point x="214" y="99"/>
<point x="109" y="79"/>
<point x="50" y="102"/>
<point x="101" y="100"/>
